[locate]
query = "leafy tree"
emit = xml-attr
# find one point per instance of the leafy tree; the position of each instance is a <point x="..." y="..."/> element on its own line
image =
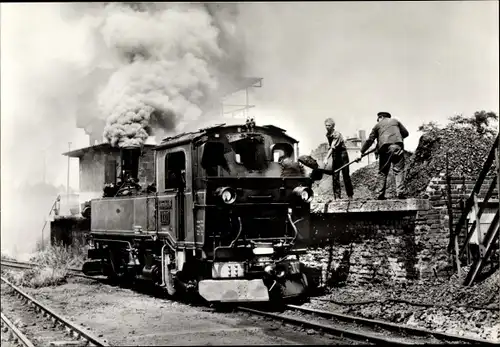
<point x="428" y="127"/>
<point x="480" y="121"/>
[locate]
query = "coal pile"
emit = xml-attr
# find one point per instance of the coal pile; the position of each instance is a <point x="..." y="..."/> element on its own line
<point x="452" y="292"/>
<point x="442" y="305"/>
<point x="364" y="180"/>
<point x="465" y="150"/>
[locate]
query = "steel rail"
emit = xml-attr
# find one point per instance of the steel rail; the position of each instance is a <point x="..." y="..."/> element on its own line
<point x="329" y="329"/>
<point x="17" y="335"/>
<point x="25" y="265"/>
<point x="390" y="326"/>
<point x="15" y="263"/>
<point x="72" y="328"/>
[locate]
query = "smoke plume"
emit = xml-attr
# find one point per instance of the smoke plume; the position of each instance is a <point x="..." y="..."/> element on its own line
<point x="164" y="63"/>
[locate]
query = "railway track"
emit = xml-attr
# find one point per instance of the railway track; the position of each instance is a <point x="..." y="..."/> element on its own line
<point x="390" y="327"/>
<point x="340" y="325"/>
<point x="361" y="329"/>
<point x="45" y="327"/>
<point x="20" y="265"/>
<point x="13" y="334"/>
<point x="27" y="265"/>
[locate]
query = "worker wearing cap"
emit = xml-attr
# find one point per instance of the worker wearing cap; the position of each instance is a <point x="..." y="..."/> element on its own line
<point x="389" y="134"/>
<point x="337" y="150"/>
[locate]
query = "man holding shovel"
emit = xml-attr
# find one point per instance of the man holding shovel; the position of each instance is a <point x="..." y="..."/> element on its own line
<point x="337" y="156"/>
<point x="389" y="134"/>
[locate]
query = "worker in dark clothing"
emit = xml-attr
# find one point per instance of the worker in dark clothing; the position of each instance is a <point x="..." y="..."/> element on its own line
<point x="338" y="152"/>
<point x="389" y="134"/>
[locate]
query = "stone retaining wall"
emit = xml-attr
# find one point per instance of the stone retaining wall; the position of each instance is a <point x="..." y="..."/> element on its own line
<point x="365" y="246"/>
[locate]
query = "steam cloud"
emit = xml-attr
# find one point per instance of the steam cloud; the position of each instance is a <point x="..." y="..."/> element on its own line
<point x="167" y="62"/>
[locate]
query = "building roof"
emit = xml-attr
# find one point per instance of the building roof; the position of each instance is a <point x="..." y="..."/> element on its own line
<point x="104" y="147"/>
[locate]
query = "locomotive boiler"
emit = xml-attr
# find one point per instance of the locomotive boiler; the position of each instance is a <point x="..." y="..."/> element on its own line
<point x="228" y="218"/>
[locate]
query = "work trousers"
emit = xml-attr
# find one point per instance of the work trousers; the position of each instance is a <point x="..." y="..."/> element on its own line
<point x="392" y="154"/>
<point x="341" y="158"/>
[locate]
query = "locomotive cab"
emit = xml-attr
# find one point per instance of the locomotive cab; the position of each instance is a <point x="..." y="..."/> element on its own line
<point x="229" y="218"/>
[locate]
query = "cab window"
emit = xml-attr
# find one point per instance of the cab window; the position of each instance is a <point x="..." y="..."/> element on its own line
<point x="281" y="151"/>
<point x="175" y="170"/>
<point x="250" y="153"/>
<point x="213" y="160"/>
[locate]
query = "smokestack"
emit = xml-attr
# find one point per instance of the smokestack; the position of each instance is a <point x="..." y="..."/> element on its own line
<point x="130" y="162"/>
<point x="362" y="136"/>
<point x="94" y="130"/>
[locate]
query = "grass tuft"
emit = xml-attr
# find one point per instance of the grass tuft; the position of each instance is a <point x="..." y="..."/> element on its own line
<point x="52" y="266"/>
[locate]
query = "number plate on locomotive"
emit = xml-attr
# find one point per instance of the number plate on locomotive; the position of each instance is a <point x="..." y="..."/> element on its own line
<point x="165" y="217"/>
<point x="227" y="270"/>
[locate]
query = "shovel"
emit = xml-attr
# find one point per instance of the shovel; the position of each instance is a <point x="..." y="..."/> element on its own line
<point x="317" y="171"/>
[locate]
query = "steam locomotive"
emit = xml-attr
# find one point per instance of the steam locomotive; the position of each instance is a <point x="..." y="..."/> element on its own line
<point x="228" y="218"/>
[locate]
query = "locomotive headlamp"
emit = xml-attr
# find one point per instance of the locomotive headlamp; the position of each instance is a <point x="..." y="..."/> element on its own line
<point x="226" y="194"/>
<point x="306" y="194"/>
<point x="280" y="273"/>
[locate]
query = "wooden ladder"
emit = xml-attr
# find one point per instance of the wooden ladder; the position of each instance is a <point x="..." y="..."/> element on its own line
<point x="472" y="205"/>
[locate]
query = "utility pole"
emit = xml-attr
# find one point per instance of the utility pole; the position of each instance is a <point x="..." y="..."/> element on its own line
<point x="67" y="181"/>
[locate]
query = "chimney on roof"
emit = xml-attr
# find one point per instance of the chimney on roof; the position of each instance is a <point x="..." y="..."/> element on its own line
<point x="362" y="136"/>
<point x="94" y="130"/>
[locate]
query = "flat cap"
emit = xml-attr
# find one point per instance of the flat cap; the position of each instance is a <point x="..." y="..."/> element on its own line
<point x="384" y="114"/>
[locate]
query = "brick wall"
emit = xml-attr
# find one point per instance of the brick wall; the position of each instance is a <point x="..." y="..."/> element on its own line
<point x="365" y="247"/>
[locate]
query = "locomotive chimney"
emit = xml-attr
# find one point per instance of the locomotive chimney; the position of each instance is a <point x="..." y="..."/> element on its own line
<point x="130" y="162"/>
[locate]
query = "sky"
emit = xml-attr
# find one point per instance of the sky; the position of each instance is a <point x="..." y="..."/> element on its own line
<point x="420" y="61"/>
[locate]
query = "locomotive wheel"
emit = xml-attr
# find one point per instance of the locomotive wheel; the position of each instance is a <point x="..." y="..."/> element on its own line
<point x="115" y="274"/>
<point x="112" y="268"/>
<point x="170" y="284"/>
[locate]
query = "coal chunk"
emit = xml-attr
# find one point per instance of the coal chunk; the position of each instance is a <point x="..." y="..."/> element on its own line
<point x="308" y="161"/>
